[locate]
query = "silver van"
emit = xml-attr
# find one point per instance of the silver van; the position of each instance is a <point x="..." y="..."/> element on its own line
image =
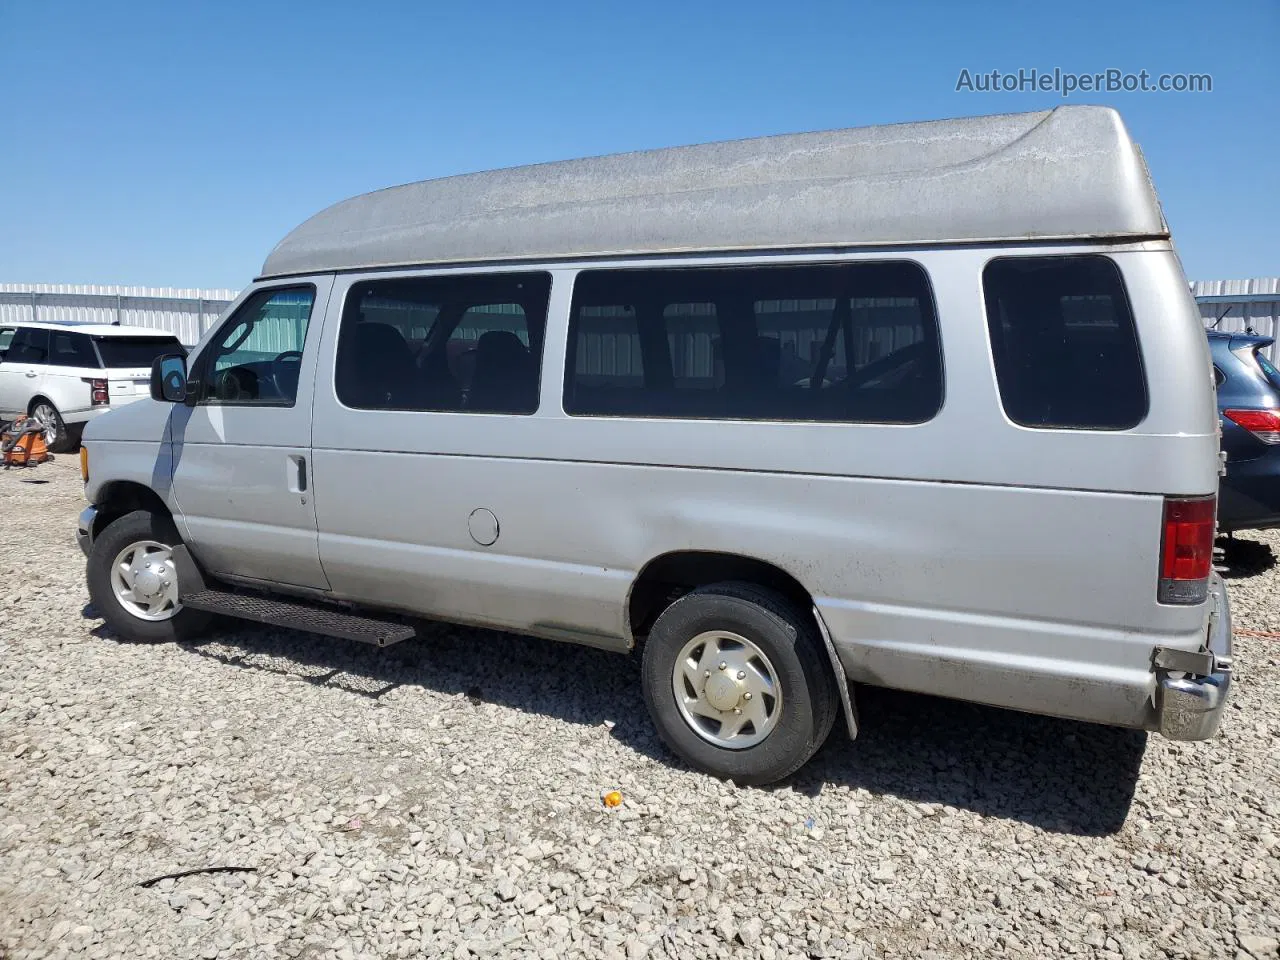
<point x="924" y="406"/>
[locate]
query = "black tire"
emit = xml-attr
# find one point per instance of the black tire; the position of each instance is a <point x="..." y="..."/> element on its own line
<point x="120" y="533"/>
<point x="790" y="640"/>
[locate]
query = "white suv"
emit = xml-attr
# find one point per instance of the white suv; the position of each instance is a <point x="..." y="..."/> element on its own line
<point x="64" y="374"/>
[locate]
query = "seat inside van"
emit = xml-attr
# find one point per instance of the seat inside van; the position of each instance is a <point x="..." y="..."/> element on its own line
<point x="505" y="379"/>
<point x="427" y="344"/>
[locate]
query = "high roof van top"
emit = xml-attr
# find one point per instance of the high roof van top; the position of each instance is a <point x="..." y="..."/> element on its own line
<point x="1071" y="173"/>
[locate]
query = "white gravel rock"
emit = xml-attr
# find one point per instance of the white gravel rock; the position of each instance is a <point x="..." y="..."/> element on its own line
<point x="442" y="798"/>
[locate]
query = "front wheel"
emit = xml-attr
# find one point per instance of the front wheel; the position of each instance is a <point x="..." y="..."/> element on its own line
<point x="133" y="582"/>
<point x="738" y="682"/>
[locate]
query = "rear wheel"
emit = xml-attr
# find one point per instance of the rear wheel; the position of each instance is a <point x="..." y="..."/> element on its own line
<point x="56" y="435"/>
<point x="738" y="682"/>
<point x="133" y="582"/>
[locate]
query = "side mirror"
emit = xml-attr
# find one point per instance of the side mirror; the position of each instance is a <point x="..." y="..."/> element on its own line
<point x="169" y="378"/>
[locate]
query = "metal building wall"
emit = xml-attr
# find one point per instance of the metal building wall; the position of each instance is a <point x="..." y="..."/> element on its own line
<point x="187" y="313"/>
<point x="1241" y="305"/>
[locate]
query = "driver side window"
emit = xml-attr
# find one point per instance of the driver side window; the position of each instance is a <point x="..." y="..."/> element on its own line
<point x="257" y="356"/>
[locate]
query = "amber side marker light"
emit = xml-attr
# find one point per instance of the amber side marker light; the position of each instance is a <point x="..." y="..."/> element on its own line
<point x="84" y="463"/>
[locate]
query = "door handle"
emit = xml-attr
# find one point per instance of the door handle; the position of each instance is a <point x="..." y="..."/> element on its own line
<point x="32" y="374"/>
<point x="297" y="473"/>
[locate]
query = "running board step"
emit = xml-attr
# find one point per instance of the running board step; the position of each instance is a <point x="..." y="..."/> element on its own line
<point x="300" y="615"/>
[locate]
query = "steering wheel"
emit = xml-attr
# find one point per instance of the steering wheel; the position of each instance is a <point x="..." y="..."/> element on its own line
<point x="227" y="387"/>
<point x="277" y="365"/>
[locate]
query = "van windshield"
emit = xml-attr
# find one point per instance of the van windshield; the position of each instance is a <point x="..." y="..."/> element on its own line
<point x="131" y="352"/>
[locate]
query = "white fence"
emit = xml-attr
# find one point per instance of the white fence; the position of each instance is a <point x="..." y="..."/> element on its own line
<point x="1236" y="305"/>
<point x="1241" y="305"/>
<point x="186" y="313"/>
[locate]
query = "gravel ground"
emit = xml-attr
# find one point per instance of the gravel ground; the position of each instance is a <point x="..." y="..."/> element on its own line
<point x="443" y="798"/>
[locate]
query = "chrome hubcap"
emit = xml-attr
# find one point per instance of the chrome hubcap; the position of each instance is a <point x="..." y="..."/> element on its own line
<point x="45" y="416"/>
<point x="727" y="690"/>
<point x="144" y="580"/>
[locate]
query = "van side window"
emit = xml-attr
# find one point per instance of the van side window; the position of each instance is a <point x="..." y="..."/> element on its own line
<point x="851" y="343"/>
<point x="6" y="338"/>
<point x="73" y="350"/>
<point x="30" y="345"/>
<point x="608" y="348"/>
<point x="464" y="344"/>
<point x="256" y="357"/>
<point x="1064" y="343"/>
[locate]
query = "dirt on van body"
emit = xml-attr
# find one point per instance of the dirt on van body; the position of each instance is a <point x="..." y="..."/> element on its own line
<point x="444" y="798"/>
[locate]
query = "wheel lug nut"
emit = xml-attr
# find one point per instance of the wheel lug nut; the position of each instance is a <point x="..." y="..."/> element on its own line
<point x="706" y="673"/>
<point x="737" y="709"/>
<point x="746" y="696"/>
<point x="742" y="674"/>
<point x="723" y="665"/>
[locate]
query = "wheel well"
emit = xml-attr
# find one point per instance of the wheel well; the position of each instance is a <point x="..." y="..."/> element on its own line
<point x="124" y="496"/>
<point x="37" y="399"/>
<point x="670" y="576"/>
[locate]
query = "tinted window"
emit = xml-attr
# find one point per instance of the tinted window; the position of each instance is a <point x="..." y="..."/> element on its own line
<point x="6" y="338"/>
<point x="72" y="350"/>
<point x="29" y="345"/>
<point x="125" y="352"/>
<point x="465" y="343"/>
<point x="1268" y="368"/>
<point x="851" y="343"/>
<point x="257" y="355"/>
<point x="1064" y="343"/>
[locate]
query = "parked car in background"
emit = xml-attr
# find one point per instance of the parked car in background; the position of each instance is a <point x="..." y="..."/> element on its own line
<point x="65" y="374"/>
<point x="1249" y="406"/>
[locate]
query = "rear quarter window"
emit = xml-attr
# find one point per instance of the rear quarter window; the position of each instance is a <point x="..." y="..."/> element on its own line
<point x="72" y="349"/>
<point x="1268" y="369"/>
<point x="1064" y="343"/>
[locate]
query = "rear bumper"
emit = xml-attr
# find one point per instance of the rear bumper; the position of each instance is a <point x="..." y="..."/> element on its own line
<point x="84" y="528"/>
<point x="1189" y="706"/>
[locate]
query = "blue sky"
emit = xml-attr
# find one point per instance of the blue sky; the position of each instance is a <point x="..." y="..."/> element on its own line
<point x="172" y="144"/>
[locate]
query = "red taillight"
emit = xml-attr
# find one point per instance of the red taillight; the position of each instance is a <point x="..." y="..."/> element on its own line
<point x="1263" y="424"/>
<point x="98" y="392"/>
<point x="1186" y="552"/>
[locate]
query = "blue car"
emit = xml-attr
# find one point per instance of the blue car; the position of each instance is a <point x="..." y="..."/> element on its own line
<point x="1249" y="407"/>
